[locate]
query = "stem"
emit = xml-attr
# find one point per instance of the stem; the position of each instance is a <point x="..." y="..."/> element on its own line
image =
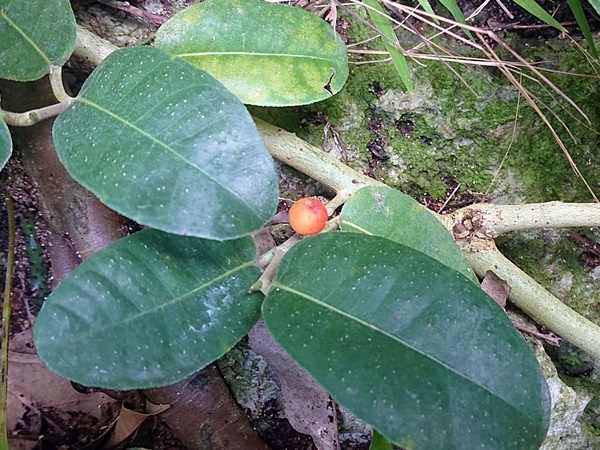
<point x="91" y="48"/>
<point x="10" y="264"/>
<point x="34" y="116"/>
<point x="499" y="219"/>
<point x="532" y="298"/>
<point x="336" y="202"/>
<point x="264" y="282"/>
<point x="293" y="151"/>
<point x="58" y="88"/>
<point x="495" y="219"/>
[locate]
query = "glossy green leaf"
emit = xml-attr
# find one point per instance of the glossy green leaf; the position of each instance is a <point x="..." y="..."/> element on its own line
<point x="5" y="144"/>
<point x="533" y="8"/>
<point x="165" y="144"/>
<point x="584" y="26"/>
<point x="406" y="344"/>
<point x="265" y="53"/>
<point x="35" y="34"/>
<point x="386" y="212"/>
<point x="149" y="310"/>
<point x="390" y="40"/>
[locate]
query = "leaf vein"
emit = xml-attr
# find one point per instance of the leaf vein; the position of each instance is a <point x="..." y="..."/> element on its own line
<point x="384" y="332"/>
<point x="26" y="37"/>
<point x="167" y="147"/>
<point x="278" y="55"/>
<point x="172" y="301"/>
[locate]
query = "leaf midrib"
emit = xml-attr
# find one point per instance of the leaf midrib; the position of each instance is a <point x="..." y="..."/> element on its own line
<point x="26" y="37"/>
<point x="395" y="338"/>
<point x="252" y="54"/>
<point x="168" y="148"/>
<point x="170" y="302"/>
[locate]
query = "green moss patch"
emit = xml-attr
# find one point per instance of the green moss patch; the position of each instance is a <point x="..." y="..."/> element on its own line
<point x="444" y="134"/>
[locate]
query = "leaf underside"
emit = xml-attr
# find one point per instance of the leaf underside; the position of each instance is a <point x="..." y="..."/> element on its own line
<point x="583" y="24"/>
<point x="596" y="5"/>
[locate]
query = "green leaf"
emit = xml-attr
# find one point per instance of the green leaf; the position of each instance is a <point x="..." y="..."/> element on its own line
<point x="149" y="310"/>
<point x="583" y="24"/>
<point x="165" y="144"/>
<point x="386" y="212"/>
<point x="427" y="7"/>
<point x="414" y="349"/>
<point x="378" y="442"/>
<point x="5" y="144"/>
<point x="452" y="6"/>
<point x="536" y="10"/>
<point x="35" y="34"/>
<point x="390" y="40"/>
<point x="596" y="5"/>
<point x="265" y="53"/>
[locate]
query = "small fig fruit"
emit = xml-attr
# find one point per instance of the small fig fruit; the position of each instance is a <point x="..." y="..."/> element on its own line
<point x="308" y="216"/>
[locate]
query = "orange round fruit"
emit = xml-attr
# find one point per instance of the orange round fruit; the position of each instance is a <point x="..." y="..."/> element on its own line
<point x="308" y="216"/>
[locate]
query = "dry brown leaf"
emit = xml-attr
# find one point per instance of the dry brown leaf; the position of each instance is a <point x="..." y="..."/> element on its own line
<point x="308" y="408"/>
<point x="129" y="421"/>
<point x="32" y="386"/>
<point x="495" y="287"/>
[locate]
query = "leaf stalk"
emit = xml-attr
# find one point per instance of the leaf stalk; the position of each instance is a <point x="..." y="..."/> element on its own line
<point x="58" y="88"/>
<point x="34" y="116"/>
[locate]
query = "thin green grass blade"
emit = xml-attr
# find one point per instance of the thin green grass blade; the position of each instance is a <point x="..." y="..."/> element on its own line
<point x="427" y="7"/>
<point x="452" y="6"/>
<point x="582" y="22"/>
<point x="536" y="10"/>
<point x="383" y="25"/>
